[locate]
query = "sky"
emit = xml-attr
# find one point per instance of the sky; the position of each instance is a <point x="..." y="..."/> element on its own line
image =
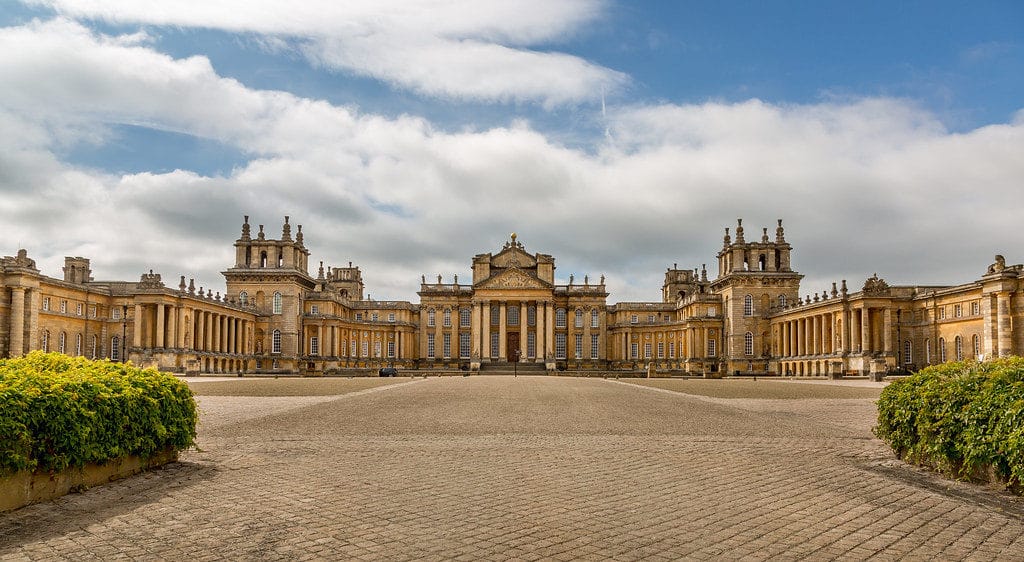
<point x="620" y="137"/>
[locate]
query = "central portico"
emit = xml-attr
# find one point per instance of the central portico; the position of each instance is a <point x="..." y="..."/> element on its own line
<point x="513" y="310"/>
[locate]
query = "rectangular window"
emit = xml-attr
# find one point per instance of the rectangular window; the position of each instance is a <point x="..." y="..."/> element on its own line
<point x="374" y="317"/>
<point x="647" y="351"/>
<point x="633" y="319"/>
<point x="595" y="319"/>
<point x="464" y="345"/>
<point x="391" y="349"/>
<point x="359" y="316"/>
<point x="958" y="310"/>
<point x="365" y="348"/>
<point x="391" y="317"/>
<point x="495" y="315"/>
<point x="447" y="319"/>
<point x="560" y="346"/>
<point x="650" y="319"/>
<point x="314" y="345"/>
<point x="661" y="350"/>
<point x="352" y="346"/>
<point x="560" y="318"/>
<point x="531" y="345"/>
<point x="672" y="349"/>
<point x="92" y="311"/>
<point x="595" y="350"/>
<point x="578" y="321"/>
<point x="513" y="315"/>
<point x="908" y="352"/>
<point x="63" y="307"/>
<point x="494" y="344"/>
<point x="430" y="318"/>
<point x="531" y="316"/>
<point x="975" y="308"/>
<point x="275" y="342"/>
<point x="579" y="346"/>
<point x="314" y="309"/>
<point x="712" y="348"/>
<point x="78" y="309"/>
<point x="447" y="349"/>
<point x="46" y="303"/>
<point x="376" y="349"/>
<point x="465" y="317"/>
<point x="712" y="311"/>
<point x="942" y="313"/>
<point x="634" y="350"/>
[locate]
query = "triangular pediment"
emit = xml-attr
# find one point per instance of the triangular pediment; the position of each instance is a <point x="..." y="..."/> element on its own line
<point x="512" y="279"/>
<point x="513" y="256"/>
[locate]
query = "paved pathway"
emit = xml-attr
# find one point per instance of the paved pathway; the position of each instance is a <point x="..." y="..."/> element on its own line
<point x="527" y="468"/>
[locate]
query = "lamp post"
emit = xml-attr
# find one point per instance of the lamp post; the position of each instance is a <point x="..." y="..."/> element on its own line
<point x="124" y="332"/>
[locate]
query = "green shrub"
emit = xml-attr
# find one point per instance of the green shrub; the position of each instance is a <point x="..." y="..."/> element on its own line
<point x="58" y="411"/>
<point x="962" y="418"/>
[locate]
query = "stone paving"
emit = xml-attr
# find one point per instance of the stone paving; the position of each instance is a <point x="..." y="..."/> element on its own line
<point x="526" y="468"/>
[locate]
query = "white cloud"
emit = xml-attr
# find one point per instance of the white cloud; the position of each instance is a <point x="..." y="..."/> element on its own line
<point x="461" y="49"/>
<point x="865" y="186"/>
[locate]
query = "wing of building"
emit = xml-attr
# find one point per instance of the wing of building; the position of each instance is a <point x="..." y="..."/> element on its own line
<point x="274" y="317"/>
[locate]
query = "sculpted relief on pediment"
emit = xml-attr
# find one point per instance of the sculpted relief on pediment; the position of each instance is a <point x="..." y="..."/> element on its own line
<point x="512" y="280"/>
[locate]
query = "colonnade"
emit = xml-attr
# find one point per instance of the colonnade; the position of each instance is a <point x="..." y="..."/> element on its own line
<point x="347" y="342"/>
<point x="171" y="326"/>
<point x="540" y="336"/>
<point x="865" y="330"/>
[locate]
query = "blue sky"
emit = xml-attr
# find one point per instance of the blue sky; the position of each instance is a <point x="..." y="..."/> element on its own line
<point x="859" y="123"/>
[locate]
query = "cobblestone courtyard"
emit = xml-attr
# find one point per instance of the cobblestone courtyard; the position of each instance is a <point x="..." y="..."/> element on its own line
<point x="527" y="468"/>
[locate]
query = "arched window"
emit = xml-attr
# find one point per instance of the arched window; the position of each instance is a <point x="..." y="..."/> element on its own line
<point x="61" y="342"/>
<point x="431" y="318"/>
<point x="277" y="303"/>
<point x="976" y="345"/>
<point x="748" y="305"/>
<point x="761" y="263"/>
<point x="928" y="351"/>
<point x="748" y="343"/>
<point x="942" y="350"/>
<point x="275" y="342"/>
<point x="78" y="344"/>
<point x="263" y="259"/>
<point x="958" y="348"/>
<point x="782" y="301"/>
<point x="908" y="352"/>
<point x="115" y="348"/>
<point x="579" y="318"/>
<point x="280" y="258"/>
<point x="243" y="297"/>
<point x="560" y="318"/>
<point x="44" y="342"/>
<point x="95" y="347"/>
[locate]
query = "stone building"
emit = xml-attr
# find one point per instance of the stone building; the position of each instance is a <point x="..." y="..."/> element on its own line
<point x="274" y="317"/>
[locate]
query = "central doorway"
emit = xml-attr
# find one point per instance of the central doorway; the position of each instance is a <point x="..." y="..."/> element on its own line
<point x="512" y="346"/>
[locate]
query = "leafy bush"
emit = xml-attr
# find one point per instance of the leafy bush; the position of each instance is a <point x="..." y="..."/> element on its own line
<point x="962" y="418"/>
<point x="58" y="411"/>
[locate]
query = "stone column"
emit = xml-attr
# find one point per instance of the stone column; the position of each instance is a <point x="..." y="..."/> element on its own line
<point x="887" y="330"/>
<point x="137" y="327"/>
<point x="172" y="327"/>
<point x="815" y="324"/>
<point x="474" y="328"/>
<point x="549" y="345"/>
<point x="854" y="329"/>
<point x="485" y="332"/>
<point x="17" y="337"/>
<point x="1004" y="335"/>
<point x="502" y="330"/>
<point x="159" y="343"/>
<point x="541" y="316"/>
<point x="844" y="332"/>
<point x="865" y="330"/>
<point x="522" y="331"/>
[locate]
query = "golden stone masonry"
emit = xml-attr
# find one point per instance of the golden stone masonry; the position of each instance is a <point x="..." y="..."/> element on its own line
<point x="274" y="317"/>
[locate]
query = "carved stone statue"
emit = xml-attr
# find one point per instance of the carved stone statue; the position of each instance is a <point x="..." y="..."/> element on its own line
<point x="998" y="266"/>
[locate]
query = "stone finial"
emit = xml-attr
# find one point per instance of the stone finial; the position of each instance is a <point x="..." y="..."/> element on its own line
<point x="181" y="285"/>
<point x="739" y="231"/>
<point x="764" y="235"/>
<point x="217" y="298"/>
<point x="298" y="237"/>
<point x="843" y="291"/>
<point x="438" y="278"/>
<point x="816" y="297"/>
<point x="320" y="274"/>
<point x="602" y="279"/>
<point x="191" y="286"/>
<point x="261" y="236"/>
<point x="703" y="272"/>
<point x="726" y="241"/>
<point x="834" y="291"/>
<point x="245" y="229"/>
<point x="423" y="279"/>
<point x="586" y="280"/>
<point x="571" y="278"/>
<point x="780" y="234"/>
<point x="286" y="230"/>
<point x="456" y="278"/>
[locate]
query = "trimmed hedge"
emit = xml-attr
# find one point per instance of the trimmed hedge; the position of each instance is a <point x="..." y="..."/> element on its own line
<point x="58" y="411"/>
<point x="963" y="418"/>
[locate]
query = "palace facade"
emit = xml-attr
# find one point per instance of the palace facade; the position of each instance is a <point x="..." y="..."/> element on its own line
<point x="274" y="317"/>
